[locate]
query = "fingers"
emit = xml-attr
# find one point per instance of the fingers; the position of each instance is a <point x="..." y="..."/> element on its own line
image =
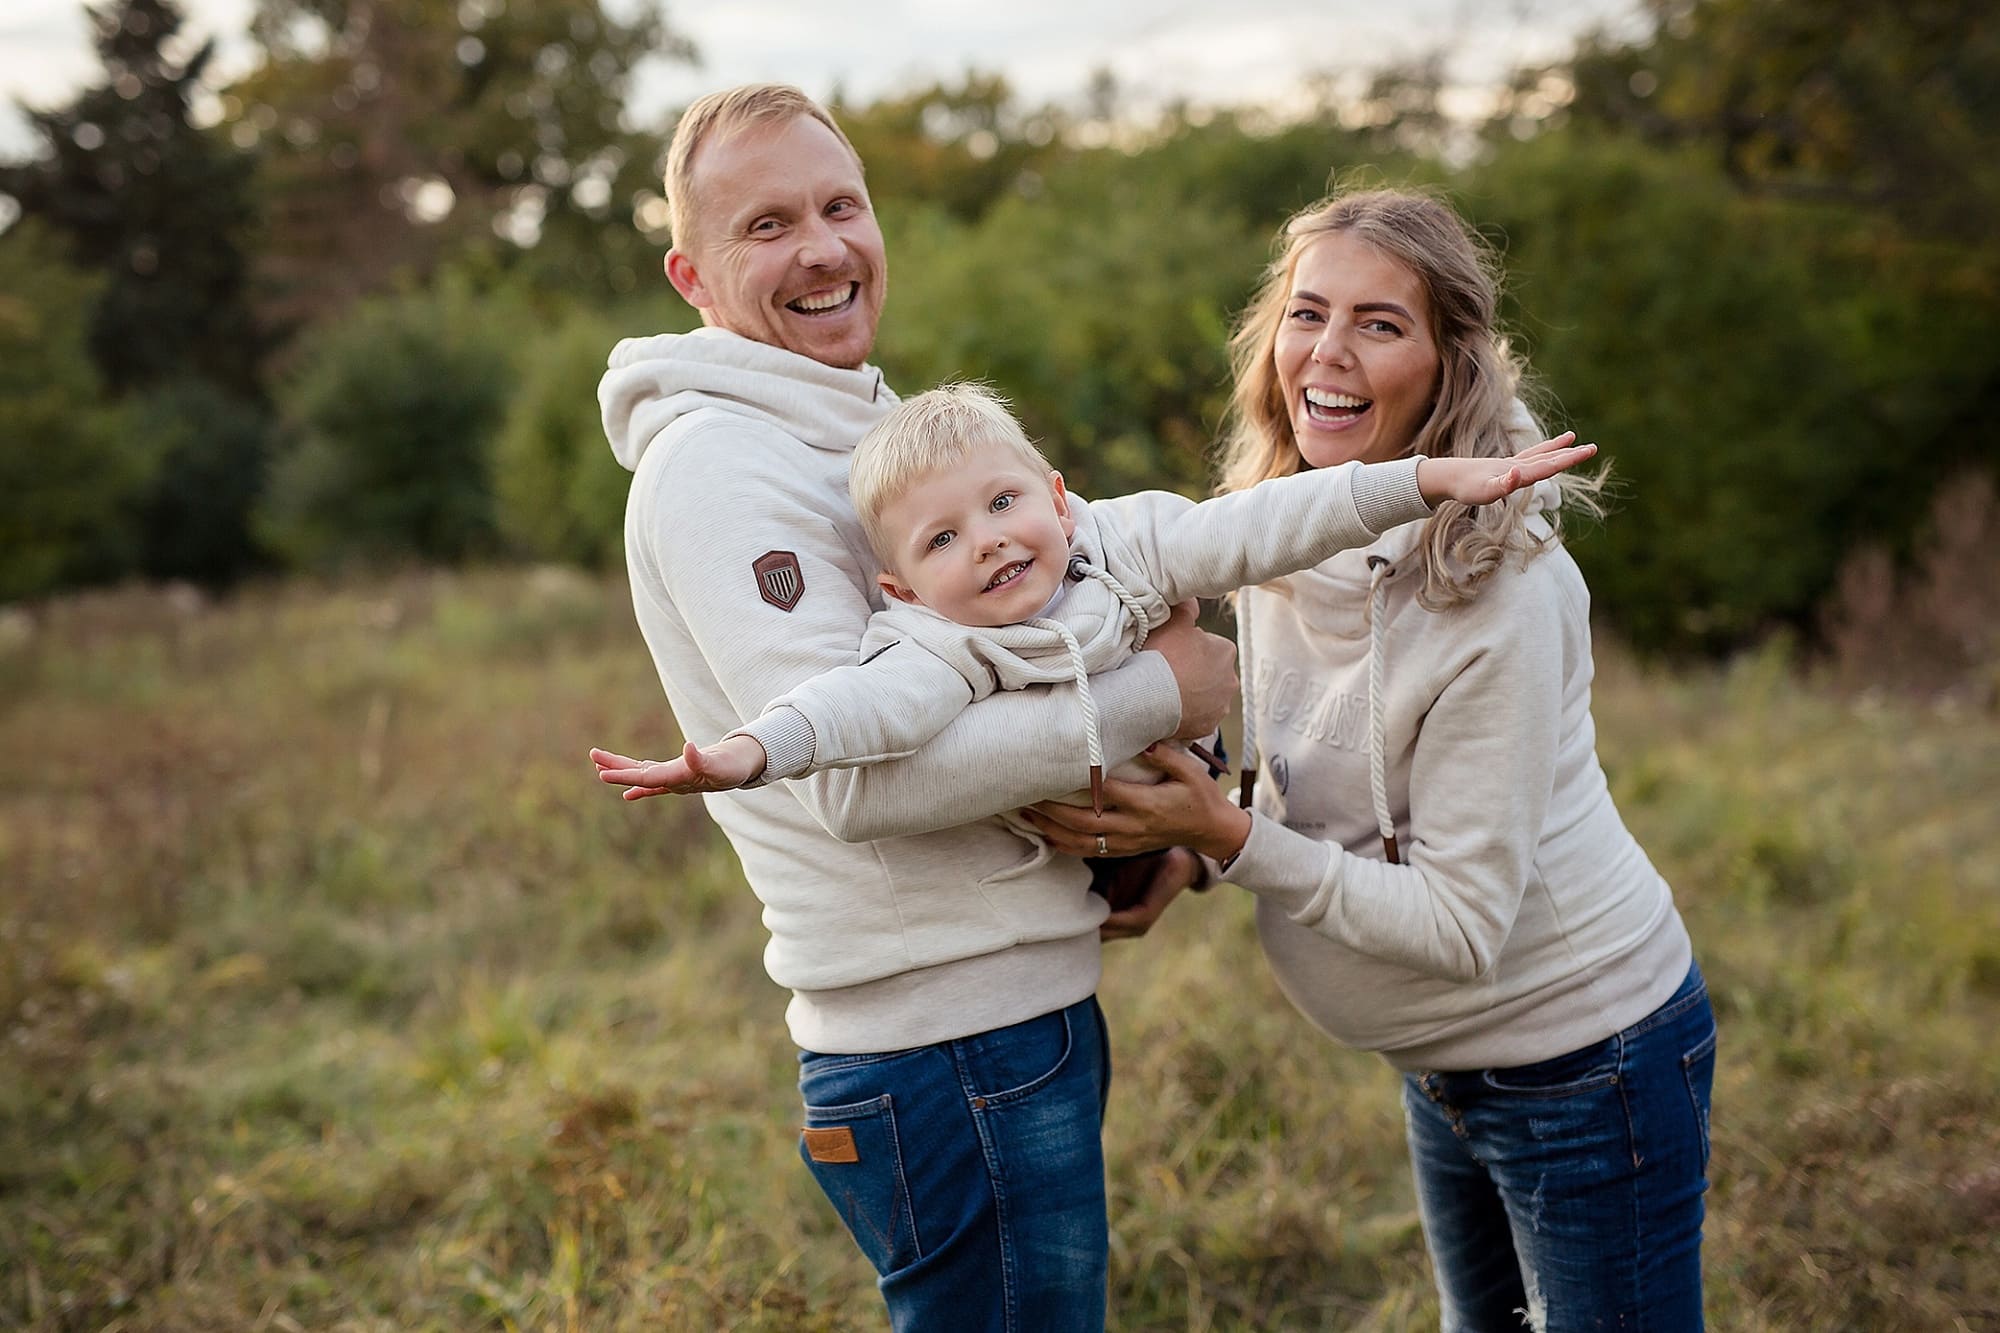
<point x="1174" y="760"/>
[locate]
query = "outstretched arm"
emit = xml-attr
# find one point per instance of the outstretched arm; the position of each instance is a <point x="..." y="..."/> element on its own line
<point x="743" y="493"/>
<point x="1287" y="524"/>
<point x="1483" y="481"/>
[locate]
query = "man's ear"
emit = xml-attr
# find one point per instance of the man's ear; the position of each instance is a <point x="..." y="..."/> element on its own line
<point x="901" y="592"/>
<point x="681" y="273"/>
<point x="1061" y="498"/>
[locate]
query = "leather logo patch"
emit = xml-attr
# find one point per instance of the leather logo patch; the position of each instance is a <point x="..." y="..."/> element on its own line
<point x="832" y="1145"/>
<point x="779" y="580"/>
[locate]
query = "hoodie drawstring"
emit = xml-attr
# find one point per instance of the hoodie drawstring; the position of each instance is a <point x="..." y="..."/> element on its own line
<point x="1379" y="571"/>
<point x="1093" y="737"/>
<point x="1246" y="786"/>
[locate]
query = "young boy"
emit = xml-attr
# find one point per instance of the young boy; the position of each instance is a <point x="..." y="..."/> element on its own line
<point x="998" y="578"/>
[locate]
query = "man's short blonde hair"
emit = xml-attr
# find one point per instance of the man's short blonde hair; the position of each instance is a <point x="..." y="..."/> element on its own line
<point x="719" y="115"/>
<point x="923" y="436"/>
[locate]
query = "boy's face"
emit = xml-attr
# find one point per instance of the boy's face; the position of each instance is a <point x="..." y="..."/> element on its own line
<point x="985" y="542"/>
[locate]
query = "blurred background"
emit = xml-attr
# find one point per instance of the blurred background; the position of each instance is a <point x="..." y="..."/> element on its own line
<point x="334" y="995"/>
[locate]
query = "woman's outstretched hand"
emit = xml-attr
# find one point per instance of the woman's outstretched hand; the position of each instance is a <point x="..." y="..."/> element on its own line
<point x="1481" y="481"/>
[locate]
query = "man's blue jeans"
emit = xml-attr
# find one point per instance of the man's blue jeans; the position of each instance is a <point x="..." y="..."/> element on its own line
<point x="971" y="1173"/>
<point x="1567" y="1194"/>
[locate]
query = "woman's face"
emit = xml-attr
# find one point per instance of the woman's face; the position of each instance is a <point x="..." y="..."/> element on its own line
<point x="1354" y="353"/>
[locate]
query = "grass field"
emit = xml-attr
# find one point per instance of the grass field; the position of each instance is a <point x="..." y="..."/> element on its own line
<point x="334" y="994"/>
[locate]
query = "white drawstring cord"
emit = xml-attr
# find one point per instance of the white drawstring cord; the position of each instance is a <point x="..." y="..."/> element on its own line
<point x="1379" y="571"/>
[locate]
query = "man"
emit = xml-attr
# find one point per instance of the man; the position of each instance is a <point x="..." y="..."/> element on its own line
<point x="953" y="1061"/>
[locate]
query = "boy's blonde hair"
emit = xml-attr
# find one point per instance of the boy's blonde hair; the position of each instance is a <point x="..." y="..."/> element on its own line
<point x="921" y="437"/>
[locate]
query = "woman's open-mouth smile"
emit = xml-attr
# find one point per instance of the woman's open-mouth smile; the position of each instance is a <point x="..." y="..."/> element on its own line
<point x="1332" y="410"/>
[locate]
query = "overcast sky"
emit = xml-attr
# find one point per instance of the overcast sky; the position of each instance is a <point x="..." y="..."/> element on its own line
<point x="1215" y="51"/>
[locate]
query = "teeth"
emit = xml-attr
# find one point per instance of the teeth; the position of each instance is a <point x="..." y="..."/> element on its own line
<point x="1320" y="398"/>
<point x="813" y="304"/>
<point x="1007" y="575"/>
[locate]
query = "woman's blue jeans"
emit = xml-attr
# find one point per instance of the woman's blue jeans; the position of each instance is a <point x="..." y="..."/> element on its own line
<point x="1567" y="1194"/>
<point x="971" y="1173"/>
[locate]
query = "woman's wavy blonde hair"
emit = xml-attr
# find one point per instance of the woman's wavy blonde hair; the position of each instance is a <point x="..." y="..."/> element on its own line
<point x="1479" y="379"/>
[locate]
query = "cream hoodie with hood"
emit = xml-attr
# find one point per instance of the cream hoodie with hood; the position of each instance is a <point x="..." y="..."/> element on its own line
<point x="881" y="925"/>
<point x="1523" y="920"/>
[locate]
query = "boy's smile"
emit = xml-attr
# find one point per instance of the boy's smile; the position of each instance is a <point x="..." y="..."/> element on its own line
<point x="985" y="542"/>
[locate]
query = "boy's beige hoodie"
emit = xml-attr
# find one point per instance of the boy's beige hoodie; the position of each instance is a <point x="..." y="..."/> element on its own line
<point x="871" y="878"/>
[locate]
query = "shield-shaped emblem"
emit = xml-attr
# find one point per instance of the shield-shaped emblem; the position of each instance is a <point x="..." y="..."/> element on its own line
<point x="779" y="581"/>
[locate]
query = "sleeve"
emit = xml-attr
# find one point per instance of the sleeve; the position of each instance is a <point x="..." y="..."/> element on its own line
<point x="862" y="713"/>
<point x="1274" y="528"/>
<point x="722" y="502"/>
<point x="1480" y="783"/>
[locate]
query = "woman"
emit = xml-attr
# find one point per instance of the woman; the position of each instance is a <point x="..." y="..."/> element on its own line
<point x="1441" y="874"/>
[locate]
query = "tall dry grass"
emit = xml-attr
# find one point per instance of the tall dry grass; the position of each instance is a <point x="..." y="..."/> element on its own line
<point x="335" y="995"/>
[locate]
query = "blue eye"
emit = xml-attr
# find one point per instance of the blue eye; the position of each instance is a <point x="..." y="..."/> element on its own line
<point x="938" y="542"/>
<point x="1004" y="500"/>
<point x="1306" y="314"/>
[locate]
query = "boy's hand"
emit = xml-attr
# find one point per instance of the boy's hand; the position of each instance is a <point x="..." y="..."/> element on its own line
<point x="1480" y="481"/>
<point x="724" y="766"/>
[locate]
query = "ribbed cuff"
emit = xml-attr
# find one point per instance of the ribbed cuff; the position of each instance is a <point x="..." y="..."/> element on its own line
<point x="787" y="739"/>
<point x="1287" y="867"/>
<point x="1386" y="495"/>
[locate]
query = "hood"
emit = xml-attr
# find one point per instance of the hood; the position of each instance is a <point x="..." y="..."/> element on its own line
<point x="654" y="382"/>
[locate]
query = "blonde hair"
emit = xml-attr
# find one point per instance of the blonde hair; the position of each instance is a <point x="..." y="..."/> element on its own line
<point x="722" y="114"/>
<point x="923" y="436"/>
<point x="1479" y="378"/>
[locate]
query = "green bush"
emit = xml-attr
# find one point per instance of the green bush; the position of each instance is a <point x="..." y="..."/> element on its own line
<point x="212" y="454"/>
<point x="392" y="421"/>
<point x="560" y="493"/>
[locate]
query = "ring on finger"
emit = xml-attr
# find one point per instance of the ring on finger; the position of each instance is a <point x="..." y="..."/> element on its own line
<point x="1103" y="848"/>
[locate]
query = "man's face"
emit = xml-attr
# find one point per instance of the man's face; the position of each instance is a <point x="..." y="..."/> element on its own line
<point x="784" y="247"/>
<point x="982" y="543"/>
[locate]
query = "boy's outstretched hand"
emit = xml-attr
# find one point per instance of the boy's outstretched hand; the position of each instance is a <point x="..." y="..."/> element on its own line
<point x="1480" y="481"/>
<point x="724" y="766"/>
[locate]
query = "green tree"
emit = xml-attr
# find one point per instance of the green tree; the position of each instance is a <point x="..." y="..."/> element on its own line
<point x="1885" y="104"/>
<point x="66" y="473"/>
<point x="160" y="208"/>
<point x="397" y="134"/>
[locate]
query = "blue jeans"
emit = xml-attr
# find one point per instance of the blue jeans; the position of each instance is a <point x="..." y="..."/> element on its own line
<point x="971" y="1173"/>
<point x="1567" y="1194"/>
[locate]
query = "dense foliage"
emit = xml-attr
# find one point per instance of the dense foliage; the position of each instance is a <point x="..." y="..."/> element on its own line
<point x="1744" y="263"/>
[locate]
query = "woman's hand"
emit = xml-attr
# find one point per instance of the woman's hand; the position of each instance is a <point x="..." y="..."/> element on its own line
<point x="1480" y="481"/>
<point x="1186" y="810"/>
<point x="1178" y="869"/>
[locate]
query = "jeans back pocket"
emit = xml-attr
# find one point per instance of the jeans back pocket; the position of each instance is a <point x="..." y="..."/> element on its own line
<point x="855" y="1155"/>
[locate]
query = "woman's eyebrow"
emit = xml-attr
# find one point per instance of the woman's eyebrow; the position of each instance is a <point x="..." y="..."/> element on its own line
<point x="1383" y="307"/>
<point x="1314" y="297"/>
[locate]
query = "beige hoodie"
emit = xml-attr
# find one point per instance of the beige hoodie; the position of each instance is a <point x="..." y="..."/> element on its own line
<point x="1524" y="920"/>
<point x="880" y="923"/>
